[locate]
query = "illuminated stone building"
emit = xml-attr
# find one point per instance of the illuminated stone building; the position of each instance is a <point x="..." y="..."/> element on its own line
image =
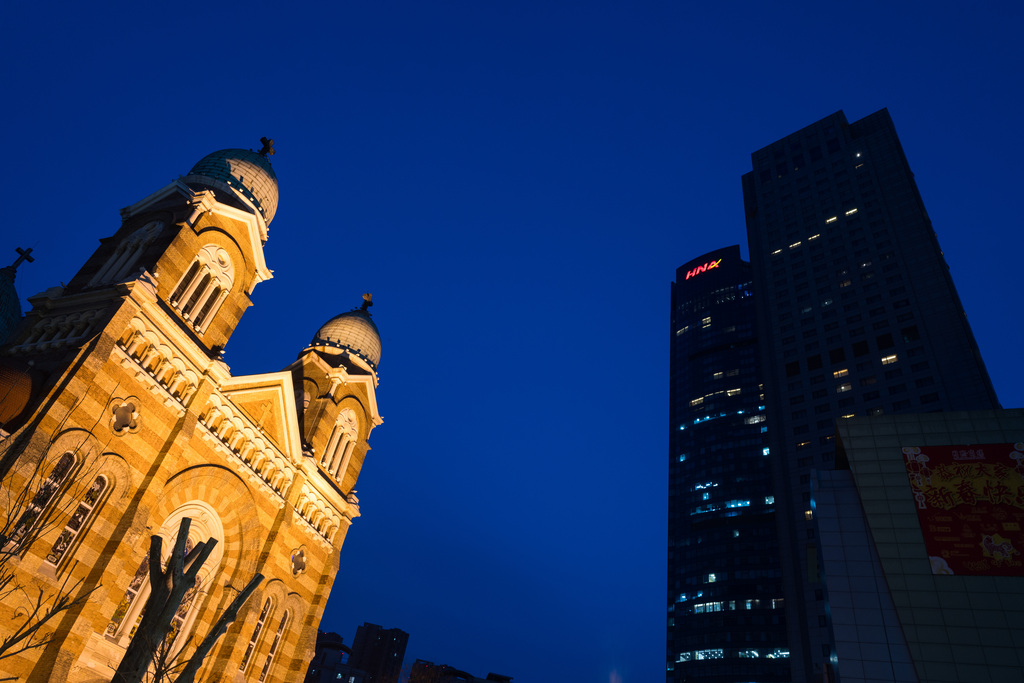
<point x="123" y="419"/>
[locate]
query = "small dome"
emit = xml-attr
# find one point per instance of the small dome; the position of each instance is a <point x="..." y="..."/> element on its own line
<point x="353" y="331"/>
<point x="245" y="173"/>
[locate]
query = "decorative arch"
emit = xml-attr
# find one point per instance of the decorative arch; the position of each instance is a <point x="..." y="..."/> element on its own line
<point x="290" y="612"/>
<point x="206" y="524"/>
<point x="222" y="507"/>
<point x="105" y="481"/>
<point x="205" y="285"/>
<point x="40" y="481"/>
<point x="80" y="519"/>
<point x="269" y="599"/>
<point x="231" y="497"/>
<point x="52" y="481"/>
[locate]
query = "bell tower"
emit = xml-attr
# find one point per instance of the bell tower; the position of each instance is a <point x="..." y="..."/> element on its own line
<point x="196" y="243"/>
<point x="335" y="379"/>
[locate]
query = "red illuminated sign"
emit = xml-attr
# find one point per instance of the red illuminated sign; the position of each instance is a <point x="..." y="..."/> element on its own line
<point x="700" y="269"/>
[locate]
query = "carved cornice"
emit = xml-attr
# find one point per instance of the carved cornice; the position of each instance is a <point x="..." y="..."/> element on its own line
<point x="322" y="518"/>
<point x="158" y="363"/>
<point x="244" y="443"/>
<point x="59" y="330"/>
<point x="203" y="201"/>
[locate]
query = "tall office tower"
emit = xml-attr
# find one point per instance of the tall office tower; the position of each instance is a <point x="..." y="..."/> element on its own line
<point x="726" y="618"/>
<point x="379" y="652"/>
<point x="863" y="320"/>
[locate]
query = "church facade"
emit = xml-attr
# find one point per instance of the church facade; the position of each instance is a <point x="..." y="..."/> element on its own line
<point x="119" y="419"/>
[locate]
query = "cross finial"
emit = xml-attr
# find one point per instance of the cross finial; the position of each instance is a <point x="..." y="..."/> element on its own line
<point x="23" y="255"/>
<point x="268" y="147"/>
<point x="367" y="301"/>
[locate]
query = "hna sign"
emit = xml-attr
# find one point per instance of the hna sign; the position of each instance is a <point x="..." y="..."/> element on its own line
<point x="700" y="269"/>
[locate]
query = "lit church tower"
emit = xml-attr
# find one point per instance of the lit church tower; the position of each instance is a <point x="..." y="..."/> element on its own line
<point x="120" y="419"/>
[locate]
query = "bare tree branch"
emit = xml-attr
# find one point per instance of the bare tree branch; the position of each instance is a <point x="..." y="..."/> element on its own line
<point x="36" y="499"/>
<point x="26" y="636"/>
<point x="188" y="674"/>
<point x="168" y="587"/>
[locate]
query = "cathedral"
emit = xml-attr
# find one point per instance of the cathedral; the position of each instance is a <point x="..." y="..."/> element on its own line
<point x="119" y="418"/>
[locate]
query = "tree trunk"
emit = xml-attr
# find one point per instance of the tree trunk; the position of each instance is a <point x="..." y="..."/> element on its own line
<point x="188" y="674"/>
<point x="168" y="587"/>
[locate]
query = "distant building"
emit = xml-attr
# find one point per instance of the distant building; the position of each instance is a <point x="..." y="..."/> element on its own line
<point x="330" y="662"/>
<point x="428" y="672"/>
<point x="379" y="652"/>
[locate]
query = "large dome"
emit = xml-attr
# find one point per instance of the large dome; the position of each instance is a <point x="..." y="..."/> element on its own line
<point x="16" y="388"/>
<point x="245" y="173"/>
<point x="353" y="331"/>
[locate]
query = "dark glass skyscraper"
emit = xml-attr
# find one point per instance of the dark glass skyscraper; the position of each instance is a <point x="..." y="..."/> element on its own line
<point x="726" y="607"/>
<point x="856" y="315"/>
<point x="861" y="318"/>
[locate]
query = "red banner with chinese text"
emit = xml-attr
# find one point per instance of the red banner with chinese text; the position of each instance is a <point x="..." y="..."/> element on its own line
<point x="970" y="502"/>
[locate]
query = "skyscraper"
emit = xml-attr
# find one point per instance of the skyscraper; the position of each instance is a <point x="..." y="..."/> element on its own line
<point x="726" y="616"/>
<point x="856" y="315"/>
<point x="863" y="318"/>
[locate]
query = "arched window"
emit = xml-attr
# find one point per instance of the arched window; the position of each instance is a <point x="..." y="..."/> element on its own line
<point x="46" y="494"/>
<point x="340" y="446"/>
<point x="134" y="605"/>
<point x="127" y="254"/>
<point x="138" y="585"/>
<point x="78" y="520"/>
<point x="205" y="524"/>
<point x="206" y="284"/>
<point x="257" y="631"/>
<point x="274" y="646"/>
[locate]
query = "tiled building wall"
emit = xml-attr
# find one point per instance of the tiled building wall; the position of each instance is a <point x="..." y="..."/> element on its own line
<point x="869" y="644"/>
<point x="958" y="628"/>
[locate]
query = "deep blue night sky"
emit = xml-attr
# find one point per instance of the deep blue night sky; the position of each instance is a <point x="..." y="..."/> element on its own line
<point x="516" y="184"/>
